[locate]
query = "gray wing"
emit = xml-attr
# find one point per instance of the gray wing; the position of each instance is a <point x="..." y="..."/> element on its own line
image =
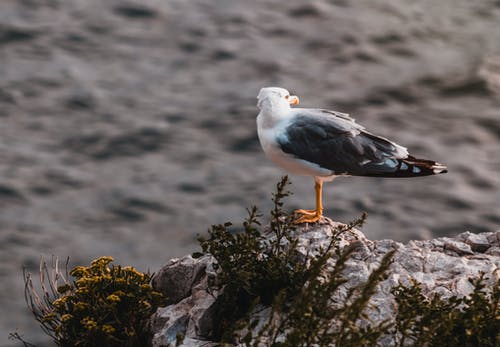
<point x="336" y="142"/>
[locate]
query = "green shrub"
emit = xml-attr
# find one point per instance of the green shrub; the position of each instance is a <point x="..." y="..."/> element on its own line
<point x="259" y="266"/>
<point x="102" y="306"/>
<point x="456" y="321"/>
<point x="253" y="266"/>
<point x="264" y="266"/>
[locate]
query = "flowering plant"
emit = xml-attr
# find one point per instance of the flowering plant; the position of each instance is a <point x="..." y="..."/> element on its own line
<point x="103" y="304"/>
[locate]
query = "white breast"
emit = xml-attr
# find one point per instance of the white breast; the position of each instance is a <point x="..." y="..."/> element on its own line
<point x="267" y="137"/>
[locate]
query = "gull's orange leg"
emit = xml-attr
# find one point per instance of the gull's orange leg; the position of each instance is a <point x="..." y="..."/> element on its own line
<point x="305" y="212"/>
<point x="311" y="216"/>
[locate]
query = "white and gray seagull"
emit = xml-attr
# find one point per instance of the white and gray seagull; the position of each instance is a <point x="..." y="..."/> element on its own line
<point x="325" y="144"/>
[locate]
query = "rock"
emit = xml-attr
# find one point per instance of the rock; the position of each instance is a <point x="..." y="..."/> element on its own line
<point x="494" y="251"/>
<point x="494" y="238"/>
<point x="189" y="342"/>
<point x="458" y="247"/>
<point x="441" y="265"/>
<point x="176" y="279"/>
<point x="185" y="280"/>
<point x="477" y="242"/>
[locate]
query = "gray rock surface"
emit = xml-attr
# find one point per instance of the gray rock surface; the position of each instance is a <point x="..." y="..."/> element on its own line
<point x="441" y="265"/>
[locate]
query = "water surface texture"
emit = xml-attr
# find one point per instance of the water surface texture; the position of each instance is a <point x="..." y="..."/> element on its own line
<point x="126" y="128"/>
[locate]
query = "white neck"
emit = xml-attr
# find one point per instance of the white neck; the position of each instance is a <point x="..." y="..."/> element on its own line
<point x="271" y="113"/>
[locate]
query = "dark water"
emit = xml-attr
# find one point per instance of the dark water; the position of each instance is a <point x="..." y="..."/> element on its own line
<point x="126" y="128"/>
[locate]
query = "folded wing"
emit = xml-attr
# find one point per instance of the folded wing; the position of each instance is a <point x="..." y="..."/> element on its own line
<point x="336" y="142"/>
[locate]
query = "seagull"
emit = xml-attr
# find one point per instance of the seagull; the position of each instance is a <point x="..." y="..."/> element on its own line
<point x="325" y="144"/>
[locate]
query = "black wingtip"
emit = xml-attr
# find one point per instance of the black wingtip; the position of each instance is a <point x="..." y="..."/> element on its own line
<point x="413" y="167"/>
<point x="439" y="169"/>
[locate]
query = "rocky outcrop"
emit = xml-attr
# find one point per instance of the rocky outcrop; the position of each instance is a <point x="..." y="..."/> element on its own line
<point x="442" y="265"/>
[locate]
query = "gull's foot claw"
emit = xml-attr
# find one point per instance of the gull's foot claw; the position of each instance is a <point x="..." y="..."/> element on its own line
<point x="308" y="217"/>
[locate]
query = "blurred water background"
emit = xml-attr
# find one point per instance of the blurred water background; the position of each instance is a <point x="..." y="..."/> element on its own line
<point x="127" y="128"/>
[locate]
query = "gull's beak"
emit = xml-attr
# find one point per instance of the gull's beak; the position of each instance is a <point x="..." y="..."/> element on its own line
<point x="293" y="100"/>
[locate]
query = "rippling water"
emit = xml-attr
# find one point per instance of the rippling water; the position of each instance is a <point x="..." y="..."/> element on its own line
<point x="126" y="128"/>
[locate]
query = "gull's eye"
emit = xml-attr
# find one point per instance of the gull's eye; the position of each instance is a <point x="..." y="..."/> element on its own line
<point x="287" y="96"/>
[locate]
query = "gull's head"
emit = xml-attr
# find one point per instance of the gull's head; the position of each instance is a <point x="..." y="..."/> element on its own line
<point x="276" y="98"/>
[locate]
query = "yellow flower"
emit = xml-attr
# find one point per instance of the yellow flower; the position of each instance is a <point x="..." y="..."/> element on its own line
<point x="48" y="317"/>
<point x="101" y="262"/>
<point x="66" y="317"/>
<point x="120" y="281"/>
<point x="106" y="277"/>
<point x="130" y="332"/>
<point x="108" y="329"/>
<point x="89" y="323"/>
<point x="120" y="293"/>
<point x="80" y="306"/>
<point x="146" y="304"/>
<point x="132" y="271"/>
<point x="113" y="298"/>
<point x="79" y="271"/>
<point x="82" y="281"/>
<point x="81" y="291"/>
<point x="59" y="303"/>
